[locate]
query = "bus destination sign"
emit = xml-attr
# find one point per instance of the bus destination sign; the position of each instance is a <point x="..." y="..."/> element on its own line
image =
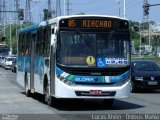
<point x="94" y="23"/>
<point x="90" y="23"/>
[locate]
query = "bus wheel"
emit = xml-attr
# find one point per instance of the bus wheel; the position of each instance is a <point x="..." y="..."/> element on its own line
<point x="108" y="102"/>
<point x="27" y="91"/>
<point x="48" y="98"/>
<point x="50" y="101"/>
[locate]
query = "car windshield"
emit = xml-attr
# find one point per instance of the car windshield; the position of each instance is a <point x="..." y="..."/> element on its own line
<point x="74" y="48"/>
<point x="10" y="59"/>
<point x="4" y="50"/>
<point x="145" y="66"/>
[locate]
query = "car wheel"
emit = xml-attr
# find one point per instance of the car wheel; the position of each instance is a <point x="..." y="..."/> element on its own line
<point x="133" y="87"/>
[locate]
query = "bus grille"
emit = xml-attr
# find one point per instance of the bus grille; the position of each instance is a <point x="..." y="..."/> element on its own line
<point x="87" y="93"/>
<point x="95" y="84"/>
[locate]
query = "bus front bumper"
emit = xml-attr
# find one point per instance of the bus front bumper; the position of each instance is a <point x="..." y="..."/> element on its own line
<point x="101" y="92"/>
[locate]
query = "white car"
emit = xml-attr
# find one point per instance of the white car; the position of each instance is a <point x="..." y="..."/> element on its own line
<point x="3" y="62"/>
<point x="8" y="62"/>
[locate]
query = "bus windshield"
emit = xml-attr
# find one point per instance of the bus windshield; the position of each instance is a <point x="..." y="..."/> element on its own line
<point x="86" y="49"/>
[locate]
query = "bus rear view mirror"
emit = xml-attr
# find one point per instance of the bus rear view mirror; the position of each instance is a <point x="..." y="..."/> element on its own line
<point x="54" y="39"/>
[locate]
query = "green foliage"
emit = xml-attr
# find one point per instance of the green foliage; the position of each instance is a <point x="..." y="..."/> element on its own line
<point x="156" y="42"/>
<point x="135" y="34"/>
<point x="14" y="38"/>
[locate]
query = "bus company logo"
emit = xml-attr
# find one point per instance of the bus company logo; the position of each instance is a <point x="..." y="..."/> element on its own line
<point x="84" y="79"/>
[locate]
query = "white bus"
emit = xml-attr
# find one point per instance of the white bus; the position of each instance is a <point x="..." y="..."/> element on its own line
<point x="76" y="57"/>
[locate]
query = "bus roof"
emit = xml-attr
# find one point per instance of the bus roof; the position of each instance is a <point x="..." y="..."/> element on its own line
<point x="54" y="20"/>
<point x="60" y="17"/>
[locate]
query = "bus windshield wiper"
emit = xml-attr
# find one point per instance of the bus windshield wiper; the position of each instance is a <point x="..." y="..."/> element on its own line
<point x="110" y="35"/>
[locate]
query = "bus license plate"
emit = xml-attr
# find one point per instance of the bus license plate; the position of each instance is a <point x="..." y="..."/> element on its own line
<point x="152" y="83"/>
<point x="95" y="92"/>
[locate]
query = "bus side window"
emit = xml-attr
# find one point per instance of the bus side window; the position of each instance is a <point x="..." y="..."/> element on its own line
<point x="46" y="42"/>
<point x="23" y="43"/>
<point x="39" y="42"/>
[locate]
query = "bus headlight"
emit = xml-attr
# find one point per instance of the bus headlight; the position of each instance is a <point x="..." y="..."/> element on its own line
<point x="64" y="80"/>
<point x="120" y="83"/>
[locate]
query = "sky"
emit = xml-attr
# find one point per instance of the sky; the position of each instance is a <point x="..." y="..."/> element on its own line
<point x="134" y="10"/>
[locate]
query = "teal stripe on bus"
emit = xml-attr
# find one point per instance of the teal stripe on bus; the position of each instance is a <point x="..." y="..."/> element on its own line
<point x="29" y="28"/>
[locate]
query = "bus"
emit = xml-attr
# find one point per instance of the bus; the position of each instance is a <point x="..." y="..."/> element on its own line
<point x="76" y="57"/>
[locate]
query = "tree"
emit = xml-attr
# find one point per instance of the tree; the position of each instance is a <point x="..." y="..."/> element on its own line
<point x="135" y="34"/>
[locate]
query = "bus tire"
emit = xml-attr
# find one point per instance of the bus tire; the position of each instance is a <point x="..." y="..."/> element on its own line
<point x="48" y="97"/>
<point x="51" y="101"/>
<point x="27" y="91"/>
<point x="46" y="93"/>
<point x="108" y="102"/>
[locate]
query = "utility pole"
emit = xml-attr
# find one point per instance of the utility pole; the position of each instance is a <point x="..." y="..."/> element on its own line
<point x="4" y="17"/>
<point x="140" y="38"/>
<point x="16" y="17"/>
<point x="124" y="8"/>
<point x="64" y="7"/>
<point x="49" y="7"/>
<point x="146" y="18"/>
<point x="16" y="9"/>
<point x="1" y="3"/>
<point x="119" y="9"/>
<point x="28" y="17"/>
<point x="68" y="7"/>
<point x="58" y="8"/>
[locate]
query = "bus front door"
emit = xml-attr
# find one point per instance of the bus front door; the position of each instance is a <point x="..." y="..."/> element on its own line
<point x="33" y="45"/>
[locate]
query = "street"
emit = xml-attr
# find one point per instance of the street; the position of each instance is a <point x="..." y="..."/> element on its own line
<point x="14" y="101"/>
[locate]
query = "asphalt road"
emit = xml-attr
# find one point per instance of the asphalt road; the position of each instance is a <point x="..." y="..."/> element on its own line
<point x="13" y="101"/>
